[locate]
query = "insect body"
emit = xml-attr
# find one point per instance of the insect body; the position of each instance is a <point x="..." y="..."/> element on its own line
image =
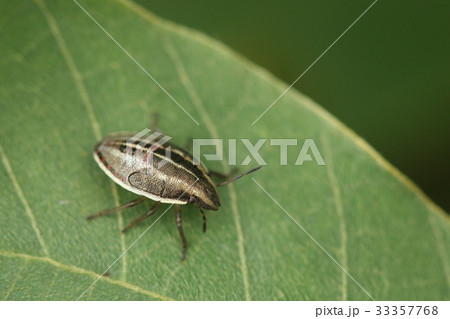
<point x="154" y="169"/>
<point x="163" y="173"/>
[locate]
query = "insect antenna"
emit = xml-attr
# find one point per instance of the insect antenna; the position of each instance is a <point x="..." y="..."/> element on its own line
<point x="239" y="176"/>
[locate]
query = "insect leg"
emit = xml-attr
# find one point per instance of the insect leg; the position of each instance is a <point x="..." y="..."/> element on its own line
<point x="143" y="217"/>
<point x="204" y="220"/>
<point x="134" y="202"/>
<point x="180" y="229"/>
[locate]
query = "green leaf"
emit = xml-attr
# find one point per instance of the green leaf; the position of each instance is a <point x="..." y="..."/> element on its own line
<point x="65" y="84"/>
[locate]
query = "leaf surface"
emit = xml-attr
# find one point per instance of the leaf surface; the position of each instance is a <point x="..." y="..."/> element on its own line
<point x="352" y="229"/>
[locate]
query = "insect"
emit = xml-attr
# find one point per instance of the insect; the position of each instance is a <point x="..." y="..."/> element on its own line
<point x="162" y="172"/>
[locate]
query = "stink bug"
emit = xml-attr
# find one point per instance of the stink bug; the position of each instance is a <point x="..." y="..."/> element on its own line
<point x="160" y="171"/>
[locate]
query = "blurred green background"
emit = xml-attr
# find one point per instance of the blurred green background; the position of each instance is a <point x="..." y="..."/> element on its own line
<point x="386" y="78"/>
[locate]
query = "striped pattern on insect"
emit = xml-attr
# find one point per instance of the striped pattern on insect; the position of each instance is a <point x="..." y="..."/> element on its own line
<point x="155" y="169"/>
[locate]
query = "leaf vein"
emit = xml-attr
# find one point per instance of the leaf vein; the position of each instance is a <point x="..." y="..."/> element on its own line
<point x="78" y="79"/>
<point x="340" y="213"/>
<point x="23" y="199"/>
<point x="213" y="131"/>
<point x="366" y="147"/>
<point x="82" y="271"/>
